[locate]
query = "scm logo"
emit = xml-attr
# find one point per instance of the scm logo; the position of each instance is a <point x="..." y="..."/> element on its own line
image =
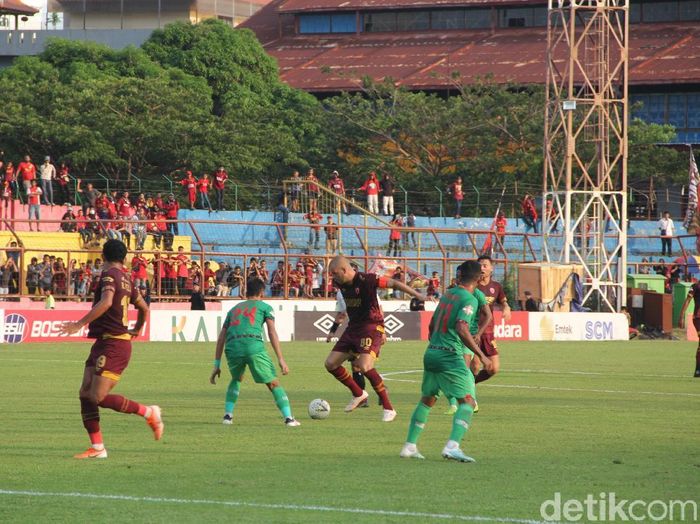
<point x="598" y="330"/>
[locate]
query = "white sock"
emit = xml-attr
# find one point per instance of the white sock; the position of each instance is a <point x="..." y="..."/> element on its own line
<point x="408" y="446"/>
<point x="98" y="447"/>
<point x="148" y="412"/>
<point x="452" y="444"/>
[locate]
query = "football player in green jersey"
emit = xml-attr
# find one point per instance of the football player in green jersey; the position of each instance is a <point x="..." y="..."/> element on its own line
<point x="446" y="364"/>
<point x="241" y="339"/>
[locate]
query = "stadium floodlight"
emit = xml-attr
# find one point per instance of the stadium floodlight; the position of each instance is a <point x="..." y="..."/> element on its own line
<point x="586" y="119"/>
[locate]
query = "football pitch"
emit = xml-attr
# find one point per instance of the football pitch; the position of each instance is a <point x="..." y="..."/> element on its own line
<point x="572" y="418"/>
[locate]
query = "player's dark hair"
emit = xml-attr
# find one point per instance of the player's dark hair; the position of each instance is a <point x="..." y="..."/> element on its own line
<point x="485" y="257"/>
<point x="254" y="287"/>
<point x="114" y="251"/>
<point x="469" y="272"/>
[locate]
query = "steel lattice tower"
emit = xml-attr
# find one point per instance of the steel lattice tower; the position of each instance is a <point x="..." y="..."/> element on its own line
<point x="585" y="174"/>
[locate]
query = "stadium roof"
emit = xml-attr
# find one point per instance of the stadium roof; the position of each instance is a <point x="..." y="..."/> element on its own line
<point x="298" y="6"/>
<point x="660" y="53"/>
<point x="15" y="7"/>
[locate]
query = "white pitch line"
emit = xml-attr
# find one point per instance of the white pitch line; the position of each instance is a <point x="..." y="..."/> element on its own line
<point x="262" y="505"/>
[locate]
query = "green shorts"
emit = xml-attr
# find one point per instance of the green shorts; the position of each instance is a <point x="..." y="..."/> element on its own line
<point x="447" y="372"/>
<point x="261" y="367"/>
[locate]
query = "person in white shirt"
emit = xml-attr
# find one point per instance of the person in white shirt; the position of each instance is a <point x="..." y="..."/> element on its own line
<point x="47" y="173"/>
<point x="667" y="231"/>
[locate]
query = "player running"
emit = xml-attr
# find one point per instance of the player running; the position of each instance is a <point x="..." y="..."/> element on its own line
<point x="694" y="295"/>
<point x="493" y="291"/>
<point x="109" y="356"/>
<point x="364" y="334"/>
<point x="446" y="364"/>
<point x="241" y="338"/>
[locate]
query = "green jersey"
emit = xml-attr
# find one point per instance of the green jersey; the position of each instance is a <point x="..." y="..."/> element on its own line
<point x="244" y="327"/>
<point x="457" y="304"/>
<point x="481" y="299"/>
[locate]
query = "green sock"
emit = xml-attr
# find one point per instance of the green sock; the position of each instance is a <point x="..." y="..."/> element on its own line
<point x="282" y="402"/>
<point x="234" y="388"/>
<point x="461" y="421"/>
<point x="418" y="421"/>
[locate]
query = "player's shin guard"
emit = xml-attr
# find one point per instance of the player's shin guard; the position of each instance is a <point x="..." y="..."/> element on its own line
<point x="282" y="402"/>
<point x="344" y="377"/>
<point x="123" y="405"/>
<point x="482" y="375"/>
<point x="91" y="420"/>
<point x="232" y="392"/>
<point x="461" y="421"/>
<point x="378" y="384"/>
<point x="359" y="379"/>
<point x="418" y="421"/>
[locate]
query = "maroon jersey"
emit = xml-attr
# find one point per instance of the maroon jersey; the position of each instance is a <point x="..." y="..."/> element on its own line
<point x="361" y="300"/>
<point x="494" y="293"/>
<point x="113" y="322"/>
<point x="695" y="293"/>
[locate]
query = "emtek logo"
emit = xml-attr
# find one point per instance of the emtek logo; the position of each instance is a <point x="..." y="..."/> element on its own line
<point x="598" y="330"/>
<point x="14" y="328"/>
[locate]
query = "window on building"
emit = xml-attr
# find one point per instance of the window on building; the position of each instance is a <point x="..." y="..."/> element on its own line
<point x="516" y="17"/>
<point x="412" y="20"/>
<point x="635" y="12"/>
<point x="478" y="18"/>
<point x="660" y="11"/>
<point x="693" y="111"/>
<point x="448" y="19"/>
<point x="328" y="23"/>
<point x="677" y="110"/>
<point x="343" y="23"/>
<point x="689" y="10"/>
<point x="378" y="22"/>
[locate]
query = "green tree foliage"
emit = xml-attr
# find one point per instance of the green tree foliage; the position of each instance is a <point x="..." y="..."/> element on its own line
<point x="647" y="158"/>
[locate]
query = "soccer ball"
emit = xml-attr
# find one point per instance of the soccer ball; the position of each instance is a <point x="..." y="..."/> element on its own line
<point x="319" y="409"/>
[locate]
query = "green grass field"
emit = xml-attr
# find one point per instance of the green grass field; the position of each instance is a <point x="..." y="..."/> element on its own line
<point x="561" y="417"/>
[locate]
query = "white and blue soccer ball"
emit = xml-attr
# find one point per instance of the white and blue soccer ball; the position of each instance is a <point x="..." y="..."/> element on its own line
<point x="319" y="409"/>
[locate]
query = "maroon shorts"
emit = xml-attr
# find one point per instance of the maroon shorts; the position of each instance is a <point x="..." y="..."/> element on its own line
<point x="109" y="357"/>
<point x="361" y="339"/>
<point x="488" y="345"/>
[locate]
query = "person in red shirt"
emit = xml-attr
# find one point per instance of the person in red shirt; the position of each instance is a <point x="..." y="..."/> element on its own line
<point x="138" y="269"/>
<point x="190" y="184"/>
<point x="371" y="189"/>
<point x="153" y="230"/>
<point x="158" y="203"/>
<point x="34" y="199"/>
<point x="338" y="187"/>
<point x="434" y="285"/>
<point x="6" y="196"/>
<point x="11" y="178"/>
<point x="457" y="193"/>
<point x="171" y="209"/>
<point x="203" y="186"/>
<point x="158" y="273"/>
<point x="26" y="172"/>
<point x="220" y="178"/>
<point x="395" y="236"/>
<point x="529" y="211"/>
<point x="170" y="275"/>
<point x="209" y="277"/>
<point x="182" y="270"/>
<point x="123" y="206"/>
<point x="63" y="179"/>
<point x="551" y="213"/>
<point x="501" y="223"/>
<point x="314" y="219"/>
<point x="313" y="189"/>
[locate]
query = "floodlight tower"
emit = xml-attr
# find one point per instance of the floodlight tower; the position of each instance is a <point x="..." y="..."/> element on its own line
<point x="585" y="173"/>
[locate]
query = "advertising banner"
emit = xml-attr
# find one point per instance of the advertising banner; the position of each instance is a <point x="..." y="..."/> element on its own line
<point x="310" y="325"/>
<point x="578" y="326"/>
<point x="40" y="325"/>
<point x="517" y="328"/>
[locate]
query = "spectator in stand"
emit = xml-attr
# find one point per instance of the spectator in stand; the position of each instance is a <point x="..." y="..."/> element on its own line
<point x="45" y="275"/>
<point x="90" y="195"/>
<point x="158" y="203"/>
<point x="158" y="273"/>
<point x="166" y="235"/>
<point x="310" y="265"/>
<point x="220" y="178"/>
<point x="399" y="276"/>
<point x="195" y="278"/>
<point x="313" y="189"/>
<point x="314" y="219"/>
<point x="139" y="265"/>
<point x="667" y="230"/>
<point x="47" y="173"/>
<point x="123" y="207"/>
<point x="371" y="189"/>
<point x="121" y="226"/>
<point x="203" y="187"/>
<point x="529" y="213"/>
<point x="501" y="224"/>
<point x="26" y="172"/>
<point x="142" y="204"/>
<point x="190" y="185"/>
<point x="209" y="279"/>
<point x="331" y="230"/>
<point x="68" y="221"/>
<point x="644" y="266"/>
<point x="182" y="269"/>
<point x="296" y="280"/>
<point x="263" y="272"/>
<point x="386" y="187"/>
<point x="410" y="223"/>
<point x="33" y="276"/>
<point x="197" y="299"/>
<point x="530" y="303"/>
<point x="34" y="199"/>
<point x="434" y="285"/>
<point x="455" y="189"/>
<point x="236" y="280"/>
<point x="139" y="229"/>
<point x="8" y="270"/>
<point x="277" y="280"/>
<point x="551" y="213"/>
<point x="295" y="191"/>
<point x="63" y="180"/>
<point x="6" y="196"/>
<point x="153" y="230"/>
<point x="14" y="253"/>
<point x="171" y="209"/>
<point x="395" y="236"/>
<point x="338" y="187"/>
<point x="11" y="178"/>
<point x="145" y="293"/>
<point x="222" y="277"/>
<point x="170" y="263"/>
<point x="60" y="277"/>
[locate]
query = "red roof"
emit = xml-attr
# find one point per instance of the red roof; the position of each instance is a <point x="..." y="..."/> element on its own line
<point x="297" y="6"/>
<point x="15" y="7"/>
<point x="667" y="53"/>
